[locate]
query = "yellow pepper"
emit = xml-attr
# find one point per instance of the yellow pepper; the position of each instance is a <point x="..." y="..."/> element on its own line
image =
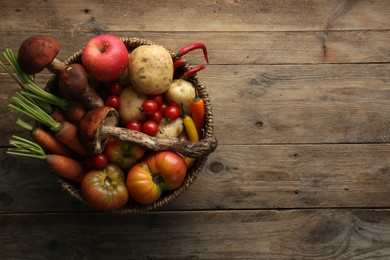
<point x="192" y="134"/>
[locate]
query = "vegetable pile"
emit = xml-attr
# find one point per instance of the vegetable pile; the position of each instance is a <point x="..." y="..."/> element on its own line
<point x="123" y="124"/>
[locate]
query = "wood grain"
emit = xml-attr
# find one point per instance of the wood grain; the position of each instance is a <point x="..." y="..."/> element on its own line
<point x="307" y="47"/>
<point x="202" y="16"/>
<point x="237" y="177"/>
<point x="284" y="103"/>
<point x="300" y="93"/>
<point x="257" y="234"/>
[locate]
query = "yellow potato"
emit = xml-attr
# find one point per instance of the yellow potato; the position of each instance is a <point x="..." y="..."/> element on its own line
<point x="168" y="128"/>
<point x="181" y="92"/>
<point x="131" y="103"/>
<point x="150" y="69"/>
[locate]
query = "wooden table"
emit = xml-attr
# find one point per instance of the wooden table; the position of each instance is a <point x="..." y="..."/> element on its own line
<point x="301" y="101"/>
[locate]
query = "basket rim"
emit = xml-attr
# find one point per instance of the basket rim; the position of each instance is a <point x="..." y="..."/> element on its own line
<point x="73" y="189"/>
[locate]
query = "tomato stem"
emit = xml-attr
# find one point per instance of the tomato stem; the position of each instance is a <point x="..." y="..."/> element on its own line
<point x="157" y="179"/>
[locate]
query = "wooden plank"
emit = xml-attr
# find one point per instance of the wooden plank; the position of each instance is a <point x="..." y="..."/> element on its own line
<point x="236" y="177"/>
<point x="293" y="104"/>
<point x="346" y="103"/>
<point x="268" y="234"/>
<point x="267" y="15"/>
<point x="253" y="48"/>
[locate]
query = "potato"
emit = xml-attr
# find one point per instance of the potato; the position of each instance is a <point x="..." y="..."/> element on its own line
<point x="131" y="103"/>
<point x="169" y="128"/>
<point x="150" y="69"/>
<point x="181" y="92"/>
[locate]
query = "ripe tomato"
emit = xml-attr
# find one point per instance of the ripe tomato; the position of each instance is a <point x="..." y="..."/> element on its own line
<point x="149" y="107"/>
<point x="114" y="89"/>
<point x="161" y="171"/>
<point x="105" y="189"/>
<point x="158" y="98"/>
<point x="124" y="154"/>
<point x="150" y="127"/>
<point x="100" y="161"/>
<point x="156" y="117"/>
<point x="113" y="101"/>
<point x="134" y="125"/>
<point x="172" y="112"/>
<point x="163" y="107"/>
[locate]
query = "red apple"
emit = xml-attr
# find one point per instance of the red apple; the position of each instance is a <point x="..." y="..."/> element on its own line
<point x="105" y="57"/>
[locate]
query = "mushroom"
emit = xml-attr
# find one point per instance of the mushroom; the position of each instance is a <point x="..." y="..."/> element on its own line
<point x="74" y="86"/>
<point x="100" y="124"/>
<point x="39" y="52"/>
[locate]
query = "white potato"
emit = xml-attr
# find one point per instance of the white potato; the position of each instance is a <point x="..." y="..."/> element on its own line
<point x="181" y="92"/>
<point x="150" y="69"/>
<point x="130" y="107"/>
<point x="170" y="128"/>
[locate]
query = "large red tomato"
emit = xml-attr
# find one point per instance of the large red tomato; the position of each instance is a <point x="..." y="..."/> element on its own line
<point x="105" y="188"/>
<point x="123" y="153"/>
<point x="161" y="171"/>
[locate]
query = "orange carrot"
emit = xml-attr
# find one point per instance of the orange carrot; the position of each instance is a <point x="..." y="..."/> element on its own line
<point x="75" y="112"/>
<point x="47" y="140"/>
<point x="61" y="165"/>
<point x="65" y="132"/>
<point x="65" y="167"/>
<point x="57" y="115"/>
<point x="198" y="113"/>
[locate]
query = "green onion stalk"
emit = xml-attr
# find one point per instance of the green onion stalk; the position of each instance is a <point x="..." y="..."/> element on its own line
<point x="29" y="87"/>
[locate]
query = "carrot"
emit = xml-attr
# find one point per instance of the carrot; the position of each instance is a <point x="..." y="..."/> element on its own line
<point x="47" y="140"/>
<point x="57" y="115"/>
<point x="64" y="132"/>
<point x="61" y="165"/>
<point x="37" y="93"/>
<point x="192" y="134"/>
<point x="198" y="112"/>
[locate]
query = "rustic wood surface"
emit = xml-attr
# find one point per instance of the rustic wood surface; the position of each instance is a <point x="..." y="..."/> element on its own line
<point x="301" y="102"/>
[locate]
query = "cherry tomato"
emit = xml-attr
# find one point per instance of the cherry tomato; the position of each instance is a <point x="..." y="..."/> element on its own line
<point x="163" y="107"/>
<point x="172" y="112"/>
<point x="113" y="101"/>
<point x="114" y="89"/>
<point x="134" y="125"/>
<point x="156" y="117"/>
<point x="100" y="161"/>
<point x="150" y="107"/>
<point x="158" y="98"/>
<point x="150" y="127"/>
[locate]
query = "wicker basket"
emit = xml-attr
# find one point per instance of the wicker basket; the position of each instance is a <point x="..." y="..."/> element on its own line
<point x="132" y="207"/>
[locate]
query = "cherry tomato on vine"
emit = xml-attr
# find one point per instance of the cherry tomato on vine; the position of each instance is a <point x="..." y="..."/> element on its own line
<point x="134" y="125"/>
<point x="113" y="101"/>
<point x="157" y="97"/>
<point x="114" y="89"/>
<point x="150" y="107"/>
<point x="100" y="161"/>
<point x="163" y="107"/>
<point x="172" y="112"/>
<point x="150" y="127"/>
<point x="156" y="117"/>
